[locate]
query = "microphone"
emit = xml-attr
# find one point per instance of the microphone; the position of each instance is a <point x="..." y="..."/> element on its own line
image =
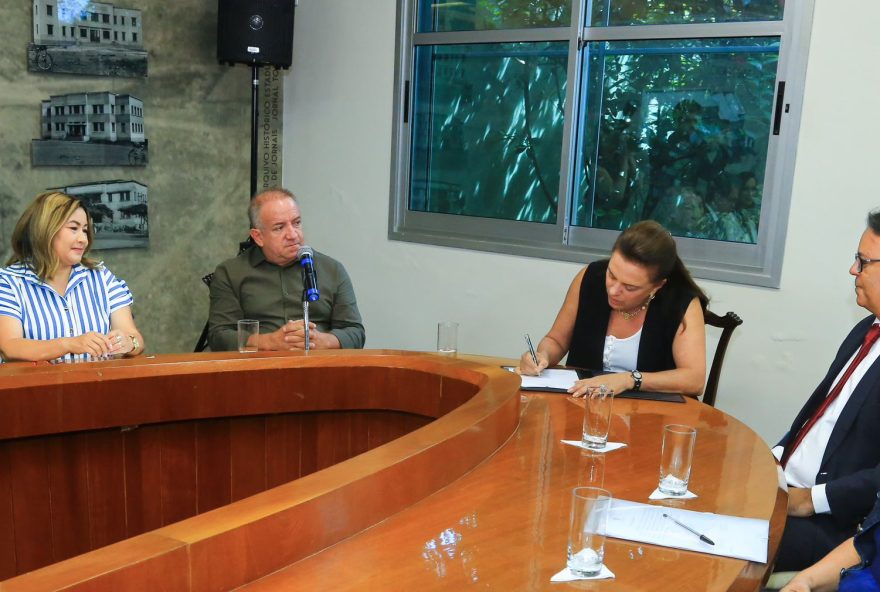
<point x="310" y="277"/>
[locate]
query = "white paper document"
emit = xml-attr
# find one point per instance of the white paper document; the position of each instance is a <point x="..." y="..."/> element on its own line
<point x="553" y="378"/>
<point x="741" y="538"/>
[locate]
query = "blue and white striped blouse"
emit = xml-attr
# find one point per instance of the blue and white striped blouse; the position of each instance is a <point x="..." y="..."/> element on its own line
<point x="91" y="296"/>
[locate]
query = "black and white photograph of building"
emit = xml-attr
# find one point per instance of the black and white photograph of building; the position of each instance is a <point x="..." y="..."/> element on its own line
<point x="91" y="129"/>
<point x="118" y="210"/>
<point x="87" y="38"/>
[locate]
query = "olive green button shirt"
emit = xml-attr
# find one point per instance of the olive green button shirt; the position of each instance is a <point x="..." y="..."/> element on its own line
<point x="250" y="287"/>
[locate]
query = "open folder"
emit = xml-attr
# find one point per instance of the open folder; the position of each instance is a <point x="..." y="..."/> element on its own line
<point x="559" y="380"/>
<point x="741" y="538"/>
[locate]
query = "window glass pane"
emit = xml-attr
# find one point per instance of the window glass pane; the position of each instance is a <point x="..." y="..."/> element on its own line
<point x="676" y="131"/>
<point x="671" y="12"/>
<point x="480" y="15"/>
<point x="487" y="129"/>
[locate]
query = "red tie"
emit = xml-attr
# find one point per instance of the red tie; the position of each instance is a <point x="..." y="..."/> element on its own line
<point x="870" y="337"/>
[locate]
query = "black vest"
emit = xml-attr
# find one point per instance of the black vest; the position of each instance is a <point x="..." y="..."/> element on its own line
<point x="662" y="320"/>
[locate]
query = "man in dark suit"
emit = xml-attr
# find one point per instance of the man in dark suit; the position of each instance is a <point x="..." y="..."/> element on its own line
<point x="831" y="454"/>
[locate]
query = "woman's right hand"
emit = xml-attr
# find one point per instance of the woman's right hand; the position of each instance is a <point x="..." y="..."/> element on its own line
<point x="527" y="364"/>
<point x="92" y="343"/>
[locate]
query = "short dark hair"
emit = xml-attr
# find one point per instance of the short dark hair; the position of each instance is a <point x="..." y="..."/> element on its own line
<point x="874" y="221"/>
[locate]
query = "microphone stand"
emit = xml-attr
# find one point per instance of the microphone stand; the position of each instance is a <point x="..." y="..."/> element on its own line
<point x="306" y="319"/>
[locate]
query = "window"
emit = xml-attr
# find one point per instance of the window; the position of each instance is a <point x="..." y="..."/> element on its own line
<point x="97" y="109"/>
<point x="122" y="20"/>
<point x="123" y="35"/>
<point x="94" y="17"/>
<point x="50" y="29"/>
<point x="105" y="34"/>
<point x="134" y="37"/>
<point x="517" y="132"/>
<point x="115" y="35"/>
<point x="134" y="21"/>
<point x="105" y="18"/>
<point x="64" y="31"/>
<point x="82" y="32"/>
<point x="97" y="126"/>
<point x="114" y="19"/>
<point x="48" y="10"/>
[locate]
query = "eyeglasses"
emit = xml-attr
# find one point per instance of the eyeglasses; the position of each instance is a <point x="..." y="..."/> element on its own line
<point x="861" y="262"/>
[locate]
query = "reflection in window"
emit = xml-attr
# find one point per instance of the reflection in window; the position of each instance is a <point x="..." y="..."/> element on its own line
<point x="676" y="131"/>
<point x="481" y="15"/>
<point x="487" y="130"/>
<point x="674" y="12"/>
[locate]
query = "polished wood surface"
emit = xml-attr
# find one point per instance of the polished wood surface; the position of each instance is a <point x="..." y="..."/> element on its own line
<point x="93" y="453"/>
<point x="468" y="499"/>
<point x="504" y="525"/>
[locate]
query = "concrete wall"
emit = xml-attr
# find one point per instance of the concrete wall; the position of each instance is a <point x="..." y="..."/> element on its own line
<point x="337" y="158"/>
<point x="197" y="119"/>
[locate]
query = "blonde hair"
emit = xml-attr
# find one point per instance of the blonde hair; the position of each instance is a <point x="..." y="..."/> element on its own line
<point x="36" y="230"/>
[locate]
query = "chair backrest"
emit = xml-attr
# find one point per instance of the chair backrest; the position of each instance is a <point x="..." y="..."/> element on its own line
<point x="727" y="324"/>
<point x="202" y="343"/>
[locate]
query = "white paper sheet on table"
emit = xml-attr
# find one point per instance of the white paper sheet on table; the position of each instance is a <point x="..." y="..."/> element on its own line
<point x="741" y="538"/>
<point x="554" y="378"/>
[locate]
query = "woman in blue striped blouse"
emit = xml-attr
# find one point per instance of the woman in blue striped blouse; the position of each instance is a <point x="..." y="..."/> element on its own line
<point x="56" y="302"/>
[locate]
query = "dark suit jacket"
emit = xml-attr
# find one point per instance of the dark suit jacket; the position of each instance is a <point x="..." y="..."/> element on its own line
<point x="851" y="464"/>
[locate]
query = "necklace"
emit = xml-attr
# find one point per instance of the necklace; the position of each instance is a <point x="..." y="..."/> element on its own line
<point x="631" y="314"/>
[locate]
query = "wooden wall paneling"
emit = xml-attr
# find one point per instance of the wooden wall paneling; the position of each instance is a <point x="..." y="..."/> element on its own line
<point x="31" y="505"/>
<point x="360" y="430"/>
<point x="7" y="521"/>
<point x="143" y="475"/>
<point x="384" y="428"/>
<point x="213" y="464"/>
<point x="178" y="473"/>
<point x="283" y="446"/>
<point x="454" y="393"/>
<point x="333" y="438"/>
<point x="308" y="452"/>
<point x="69" y="486"/>
<point x="106" y="487"/>
<point x="248" y="456"/>
<point x="410" y="423"/>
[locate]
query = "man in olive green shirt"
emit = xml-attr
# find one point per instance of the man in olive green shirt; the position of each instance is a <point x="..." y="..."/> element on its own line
<point x="265" y="283"/>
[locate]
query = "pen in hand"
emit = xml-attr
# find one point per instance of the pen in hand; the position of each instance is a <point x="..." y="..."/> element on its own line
<point x="703" y="537"/>
<point x="532" y="351"/>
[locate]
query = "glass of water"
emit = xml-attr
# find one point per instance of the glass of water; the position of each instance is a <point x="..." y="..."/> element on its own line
<point x="586" y="530"/>
<point x="676" y="456"/>
<point x="597" y="417"/>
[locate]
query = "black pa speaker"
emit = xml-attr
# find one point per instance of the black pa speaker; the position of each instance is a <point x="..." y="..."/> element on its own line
<point x="256" y="32"/>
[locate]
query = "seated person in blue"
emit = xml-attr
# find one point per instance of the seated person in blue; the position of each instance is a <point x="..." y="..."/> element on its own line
<point x="56" y="302"/>
<point x="637" y="316"/>
<point x="851" y="567"/>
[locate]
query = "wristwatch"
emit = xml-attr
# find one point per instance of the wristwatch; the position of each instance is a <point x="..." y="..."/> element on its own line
<point x="135" y="344"/>
<point x="637" y="378"/>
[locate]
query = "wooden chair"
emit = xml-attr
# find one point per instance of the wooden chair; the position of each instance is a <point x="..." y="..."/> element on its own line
<point x="727" y="324"/>
<point x="202" y="343"/>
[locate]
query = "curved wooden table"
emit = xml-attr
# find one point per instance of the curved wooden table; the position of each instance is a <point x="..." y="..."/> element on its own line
<point x="471" y="498"/>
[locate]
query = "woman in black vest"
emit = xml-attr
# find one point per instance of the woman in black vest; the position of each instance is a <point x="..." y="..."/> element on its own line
<point x="637" y="316"/>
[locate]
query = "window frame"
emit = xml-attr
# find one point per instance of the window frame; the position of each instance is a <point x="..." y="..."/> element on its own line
<point x="750" y="264"/>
